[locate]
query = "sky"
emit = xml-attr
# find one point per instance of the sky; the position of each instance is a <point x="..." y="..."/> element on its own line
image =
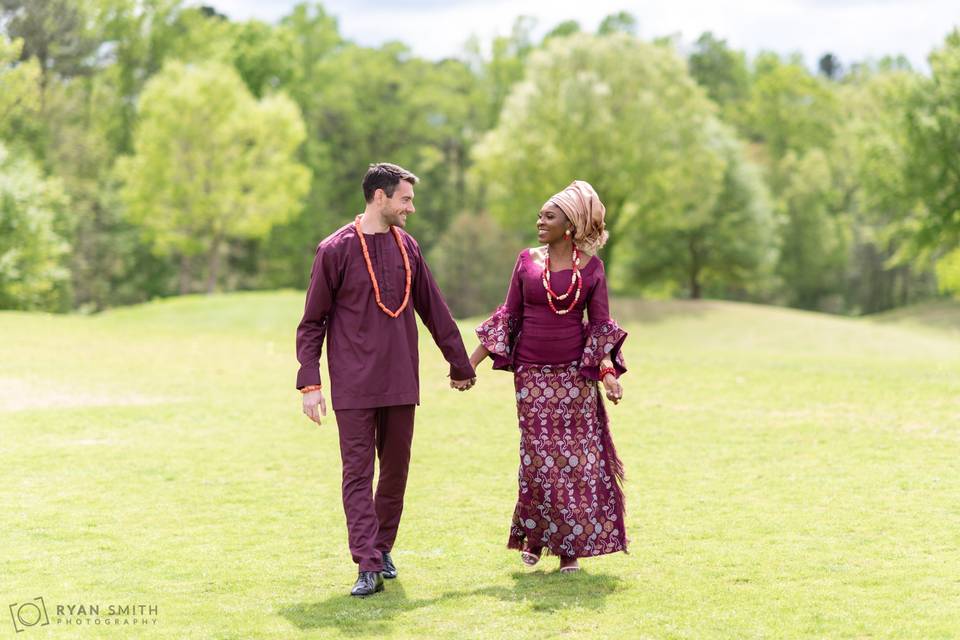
<point x="853" y="30"/>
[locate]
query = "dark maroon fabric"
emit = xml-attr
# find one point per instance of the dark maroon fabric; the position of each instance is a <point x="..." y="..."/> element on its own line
<point x="570" y="501"/>
<point x="526" y="330"/>
<point x="372" y="358"/>
<point x="372" y="521"/>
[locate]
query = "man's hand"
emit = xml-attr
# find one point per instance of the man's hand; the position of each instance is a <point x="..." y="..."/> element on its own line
<point x="463" y="385"/>
<point x="613" y="388"/>
<point x="314" y="405"/>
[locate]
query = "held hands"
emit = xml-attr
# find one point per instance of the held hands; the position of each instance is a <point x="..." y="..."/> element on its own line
<point x="613" y="388"/>
<point x="314" y="405"/>
<point x="463" y="385"/>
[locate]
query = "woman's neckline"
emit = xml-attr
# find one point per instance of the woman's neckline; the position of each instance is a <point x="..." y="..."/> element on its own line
<point x="541" y="251"/>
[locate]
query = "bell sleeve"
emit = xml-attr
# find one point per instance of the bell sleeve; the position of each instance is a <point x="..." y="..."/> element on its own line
<point x="604" y="337"/>
<point x="500" y="331"/>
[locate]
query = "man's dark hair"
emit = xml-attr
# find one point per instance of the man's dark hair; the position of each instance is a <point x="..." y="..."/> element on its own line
<point x="386" y="176"/>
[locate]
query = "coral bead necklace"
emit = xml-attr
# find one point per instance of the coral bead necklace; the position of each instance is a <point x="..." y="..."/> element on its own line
<point x="373" y="277"/>
<point x="575" y="279"/>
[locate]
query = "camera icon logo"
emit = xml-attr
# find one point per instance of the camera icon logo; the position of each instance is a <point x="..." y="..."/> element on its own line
<point x="29" y="614"/>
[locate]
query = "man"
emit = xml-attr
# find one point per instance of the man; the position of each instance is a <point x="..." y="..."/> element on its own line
<point x="367" y="279"/>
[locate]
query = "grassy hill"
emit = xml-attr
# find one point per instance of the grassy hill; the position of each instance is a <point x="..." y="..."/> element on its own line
<point x="789" y="475"/>
<point x="942" y="314"/>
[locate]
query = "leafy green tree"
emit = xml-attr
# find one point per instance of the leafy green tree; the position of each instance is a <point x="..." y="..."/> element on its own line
<point x="830" y="67"/>
<point x="814" y="237"/>
<point x="615" y="111"/>
<point x="367" y="105"/>
<point x="934" y="135"/>
<point x="871" y="156"/>
<point x="722" y="71"/>
<point x="59" y="40"/>
<point x="793" y="117"/>
<point x="728" y="250"/>
<point x="56" y="32"/>
<point x="32" y="243"/>
<point x="200" y="35"/>
<point x="87" y="122"/>
<point x="472" y="262"/>
<point x="19" y="86"/>
<point x="211" y="164"/>
<point x="948" y="272"/>
<point x="262" y="55"/>
<point x="790" y="109"/>
<point x="110" y="260"/>
<point x="620" y="22"/>
<point x="283" y="258"/>
<point x="315" y="35"/>
<point x="141" y="36"/>
<point x="505" y="66"/>
<point x="565" y="28"/>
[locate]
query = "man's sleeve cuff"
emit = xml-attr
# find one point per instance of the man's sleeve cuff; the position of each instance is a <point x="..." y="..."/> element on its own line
<point x="307" y="376"/>
<point x="463" y="372"/>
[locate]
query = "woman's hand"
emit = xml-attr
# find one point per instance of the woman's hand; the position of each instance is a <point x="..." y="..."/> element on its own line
<point x="462" y="385"/>
<point x="613" y="388"/>
<point x="479" y="355"/>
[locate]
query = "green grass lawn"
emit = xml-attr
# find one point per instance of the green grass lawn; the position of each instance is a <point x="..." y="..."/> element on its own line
<point x="789" y="475"/>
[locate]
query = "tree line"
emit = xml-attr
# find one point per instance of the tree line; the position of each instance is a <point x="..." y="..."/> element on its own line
<point x="148" y="148"/>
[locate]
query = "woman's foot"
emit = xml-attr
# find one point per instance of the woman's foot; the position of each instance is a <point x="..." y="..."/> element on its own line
<point x="530" y="555"/>
<point x="569" y="564"/>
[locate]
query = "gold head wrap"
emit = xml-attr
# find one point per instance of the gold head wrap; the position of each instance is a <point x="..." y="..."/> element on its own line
<point x="582" y="206"/>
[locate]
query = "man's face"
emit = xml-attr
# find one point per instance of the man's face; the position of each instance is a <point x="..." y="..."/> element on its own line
<point x="396" y="209"/>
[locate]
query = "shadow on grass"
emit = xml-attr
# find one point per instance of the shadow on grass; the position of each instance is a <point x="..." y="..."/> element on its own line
<point x="540" y="591"/>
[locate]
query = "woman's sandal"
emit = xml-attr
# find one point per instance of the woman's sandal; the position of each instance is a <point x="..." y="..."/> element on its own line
<point x="573" y="567"/>
<point x="529" y="558"/>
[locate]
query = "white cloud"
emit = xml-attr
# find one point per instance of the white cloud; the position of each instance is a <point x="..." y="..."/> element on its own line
<point x="851" y="29"/>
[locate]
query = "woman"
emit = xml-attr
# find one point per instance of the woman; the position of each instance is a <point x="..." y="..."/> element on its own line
<point x="570" y="501"/>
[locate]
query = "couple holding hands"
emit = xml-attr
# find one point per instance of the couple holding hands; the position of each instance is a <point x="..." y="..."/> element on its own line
<point x="368" y="278"/>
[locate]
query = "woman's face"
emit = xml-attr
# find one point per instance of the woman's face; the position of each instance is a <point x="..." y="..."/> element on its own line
<point x="552" y="224"/>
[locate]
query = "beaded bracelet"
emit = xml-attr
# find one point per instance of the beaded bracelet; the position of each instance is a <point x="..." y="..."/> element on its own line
<point x="311" y="387"/>
<point x="606" y="370"/>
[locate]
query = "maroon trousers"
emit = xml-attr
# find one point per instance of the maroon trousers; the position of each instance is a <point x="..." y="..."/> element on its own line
<point x="372" y="520"/>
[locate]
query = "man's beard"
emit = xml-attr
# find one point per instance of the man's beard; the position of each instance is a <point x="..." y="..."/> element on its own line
<point x="393" y="217"/>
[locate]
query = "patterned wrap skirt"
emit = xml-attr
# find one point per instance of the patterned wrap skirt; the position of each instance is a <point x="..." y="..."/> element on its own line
<point x="570" y="498"/>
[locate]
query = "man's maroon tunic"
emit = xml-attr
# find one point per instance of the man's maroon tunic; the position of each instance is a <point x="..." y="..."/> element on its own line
<point x="372" y="357"/>
<point x="374" y="370"/>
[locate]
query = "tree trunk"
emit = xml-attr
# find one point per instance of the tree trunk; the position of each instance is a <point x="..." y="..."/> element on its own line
<point x="214" y="263"/>
<point x="185" y="275"/>
<point x="695" y="290"/>
<point x="607" y="253"/>
<point x="905" y="285"/>
<point x="461" y="178"/>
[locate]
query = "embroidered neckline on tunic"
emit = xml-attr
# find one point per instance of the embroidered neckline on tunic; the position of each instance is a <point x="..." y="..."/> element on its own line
<point x="373" y="276"/>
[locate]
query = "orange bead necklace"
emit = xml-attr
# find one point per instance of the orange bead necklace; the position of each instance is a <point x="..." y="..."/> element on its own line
<point x="373" y="277"/>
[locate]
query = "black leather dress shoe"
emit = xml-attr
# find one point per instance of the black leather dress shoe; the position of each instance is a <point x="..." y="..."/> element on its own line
<point x="368" y="583"/>
<point x="389" y="569"/>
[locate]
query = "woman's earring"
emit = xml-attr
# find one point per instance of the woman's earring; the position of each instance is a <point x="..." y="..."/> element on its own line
<point x="567" y="233"/>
